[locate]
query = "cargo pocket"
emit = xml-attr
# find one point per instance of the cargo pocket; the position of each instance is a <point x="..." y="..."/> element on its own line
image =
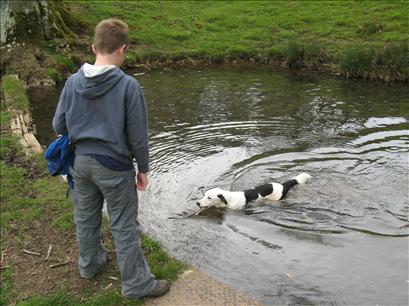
<point x="114" y="188"/>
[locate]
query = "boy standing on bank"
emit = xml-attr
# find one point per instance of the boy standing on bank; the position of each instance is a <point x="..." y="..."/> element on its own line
<point x="103" y="110"/>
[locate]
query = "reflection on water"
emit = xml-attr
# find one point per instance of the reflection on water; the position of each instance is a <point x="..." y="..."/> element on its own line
<point x="339" y="239"/>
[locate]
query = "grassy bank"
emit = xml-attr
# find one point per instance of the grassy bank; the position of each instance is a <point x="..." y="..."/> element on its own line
<point x="358" y="38"/>
<point x="38" y="245"/>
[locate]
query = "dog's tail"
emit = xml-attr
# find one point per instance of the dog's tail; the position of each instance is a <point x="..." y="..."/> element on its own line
<point x="302" y="178"/>
<point x="297" y="180"/>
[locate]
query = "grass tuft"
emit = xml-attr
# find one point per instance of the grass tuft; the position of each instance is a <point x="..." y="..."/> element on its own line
<point x="54" y="74"/>
<point x="6" y="288"/>
<point x="63" y="299"/>
<point x="369" y="28"/>
<point x="162" y="265"/>
<point x="300" y="55"/>
<point x="15" y="93"/>
<point x="9" y="145"/>
<point x="390" y="63"/>
<point x="112" y="298"/>
<point x="60" y="299"/>
<point x="64" y="62"/>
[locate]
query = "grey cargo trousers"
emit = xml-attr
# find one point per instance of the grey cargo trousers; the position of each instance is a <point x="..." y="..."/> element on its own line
<point x="92" y="184"/>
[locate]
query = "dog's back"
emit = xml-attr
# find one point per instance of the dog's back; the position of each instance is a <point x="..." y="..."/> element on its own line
<point x="275" y="191"/>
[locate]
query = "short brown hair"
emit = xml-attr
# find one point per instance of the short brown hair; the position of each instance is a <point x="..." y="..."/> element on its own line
<point x="110" y="35"/>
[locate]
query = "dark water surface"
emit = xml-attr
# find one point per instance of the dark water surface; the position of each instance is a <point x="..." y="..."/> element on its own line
<point x="340" y="239"/>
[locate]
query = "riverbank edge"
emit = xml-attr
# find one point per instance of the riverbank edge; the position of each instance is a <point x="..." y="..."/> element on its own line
<point x="54" y="61"/>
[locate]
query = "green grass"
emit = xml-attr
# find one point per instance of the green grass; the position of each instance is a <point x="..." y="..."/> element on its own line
<point x="390" y="63"/>
<point x="112" y="298"/>
<point x="64" y="299"/>
<point x="163" y="30"/>
<point x="17" y="207"/>
<point x="65" y="62"/>
<point x="8" y="143"/>
<point x="162" y="265"/>
<point x="54" y="74"/>
<point x="61" y="299"/>
<point x="6" y="288"/>
<point x="14" y="93"/>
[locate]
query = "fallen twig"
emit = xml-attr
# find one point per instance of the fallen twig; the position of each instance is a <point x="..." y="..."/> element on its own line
<point x="188" y="215"/>
<point x="5" y="267"/>
<point x="31" y="253"/>
<point x="60" y="264"/>
<point x="109" y="286"/>
<point x="49" y="252"/>
<point x="113" y="278"/>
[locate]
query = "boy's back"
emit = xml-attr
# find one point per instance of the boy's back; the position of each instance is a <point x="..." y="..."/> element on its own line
<point x="103" y="111"/>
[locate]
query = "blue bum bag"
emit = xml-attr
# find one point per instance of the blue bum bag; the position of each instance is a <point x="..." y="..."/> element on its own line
<point x="60" y="156"/>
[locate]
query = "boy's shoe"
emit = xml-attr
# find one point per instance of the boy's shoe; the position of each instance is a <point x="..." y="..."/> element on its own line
<point x="161" y="288"/>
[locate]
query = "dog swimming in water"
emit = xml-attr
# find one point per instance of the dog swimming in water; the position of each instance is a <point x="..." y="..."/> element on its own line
<point x="239" y="199"/>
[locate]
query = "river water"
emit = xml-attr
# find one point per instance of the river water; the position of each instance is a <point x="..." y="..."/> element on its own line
<point x="339" y="239"/>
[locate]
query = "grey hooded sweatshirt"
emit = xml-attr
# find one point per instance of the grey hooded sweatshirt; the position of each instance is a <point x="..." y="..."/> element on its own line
<point x="105" y="115"/>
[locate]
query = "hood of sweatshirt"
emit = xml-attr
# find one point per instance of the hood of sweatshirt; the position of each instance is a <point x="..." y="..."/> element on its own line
<point x="93" y="82"/>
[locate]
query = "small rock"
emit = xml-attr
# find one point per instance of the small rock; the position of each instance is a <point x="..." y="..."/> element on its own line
<point x="49" y="83"/>
<point x="33" y="82"/>
<point x="38" y="54"/>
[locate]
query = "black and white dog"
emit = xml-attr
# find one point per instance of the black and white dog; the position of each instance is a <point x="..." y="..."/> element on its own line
<point x="238" y="199"/>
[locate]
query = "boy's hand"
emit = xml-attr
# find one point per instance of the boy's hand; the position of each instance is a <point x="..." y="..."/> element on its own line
<point x="141" y="181"/>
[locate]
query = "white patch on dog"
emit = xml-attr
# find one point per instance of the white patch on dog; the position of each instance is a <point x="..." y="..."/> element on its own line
<point x="277" y="192"/>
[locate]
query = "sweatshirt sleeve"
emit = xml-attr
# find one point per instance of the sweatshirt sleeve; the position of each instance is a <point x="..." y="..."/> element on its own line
<point x="59" y="124"/>
<point x="137" y="126"/>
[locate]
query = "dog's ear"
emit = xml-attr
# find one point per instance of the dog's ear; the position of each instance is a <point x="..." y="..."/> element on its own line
<point x="222" y="198"/>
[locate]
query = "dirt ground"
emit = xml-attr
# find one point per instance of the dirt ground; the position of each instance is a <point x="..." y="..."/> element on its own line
<point x="47" y="263"/>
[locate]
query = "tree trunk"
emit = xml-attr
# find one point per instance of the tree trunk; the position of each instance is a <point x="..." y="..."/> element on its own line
<point x="32" y="21"/>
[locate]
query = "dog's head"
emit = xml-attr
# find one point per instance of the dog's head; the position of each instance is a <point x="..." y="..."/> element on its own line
<point x="213" y="197"/>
